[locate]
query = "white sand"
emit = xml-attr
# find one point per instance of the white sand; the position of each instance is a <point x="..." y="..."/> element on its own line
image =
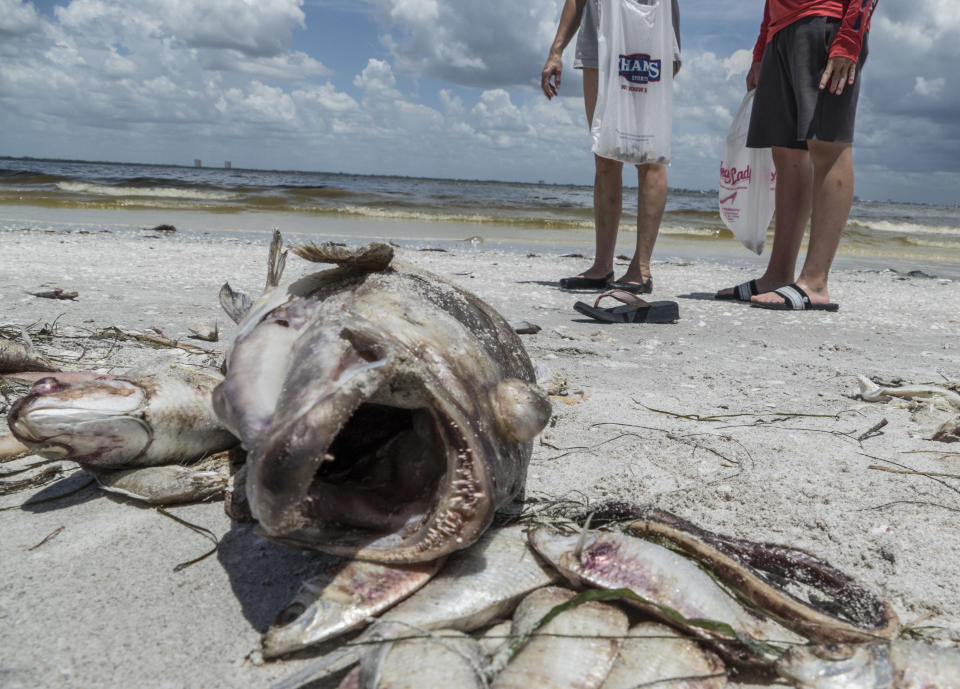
<point x="99" y="604"/>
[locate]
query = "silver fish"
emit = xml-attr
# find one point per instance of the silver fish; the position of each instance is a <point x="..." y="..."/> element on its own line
<point x="615" y="560"/>
<point x="655" y="655"/>
<point x="386" y="413"/>
<point x="574" y="650"/>
<point x="878" y="665"/>
<point x="15" y="357"/>
<point x="340" y="599"/>
<point x="476" y="586"/>
<point x="118" y="422"/>
<point x="445" y="659"/>
<point x="169" y="483"/>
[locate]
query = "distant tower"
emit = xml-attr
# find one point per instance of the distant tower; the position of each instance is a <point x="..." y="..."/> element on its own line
<point x="227" y="164"/>
<point x="197" y="162"/>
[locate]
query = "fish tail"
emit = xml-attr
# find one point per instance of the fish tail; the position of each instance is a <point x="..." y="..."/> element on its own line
<point x="276" y="260"/>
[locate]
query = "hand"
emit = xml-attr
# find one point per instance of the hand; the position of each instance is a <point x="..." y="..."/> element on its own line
<point x="839" y="72"/>
<point x="550" y="76"/>
<point x="753" y="76"/>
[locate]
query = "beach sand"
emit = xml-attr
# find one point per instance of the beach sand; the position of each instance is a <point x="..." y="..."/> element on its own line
<point x="98" y="603"/>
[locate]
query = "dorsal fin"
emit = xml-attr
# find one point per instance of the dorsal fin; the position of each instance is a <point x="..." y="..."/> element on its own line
<point x="276" y="260"/>
<point x="367" y="259"/>
<point x="236" y="304"/>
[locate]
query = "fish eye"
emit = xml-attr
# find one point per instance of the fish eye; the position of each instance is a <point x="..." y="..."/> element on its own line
<point x="833" y="651"/>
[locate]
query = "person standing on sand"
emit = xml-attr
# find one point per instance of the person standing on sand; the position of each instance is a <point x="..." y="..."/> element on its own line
<point x="806" y="64"/>
<point x="608" y="175"/>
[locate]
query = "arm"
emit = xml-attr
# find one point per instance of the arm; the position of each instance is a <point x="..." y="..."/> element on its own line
<point x="754" y="74"/>
<point x="841" y="69"/>
<point x="569" y="23"/>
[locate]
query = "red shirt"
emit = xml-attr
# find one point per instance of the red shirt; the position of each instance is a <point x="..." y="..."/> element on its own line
<point x="855" y="16"/>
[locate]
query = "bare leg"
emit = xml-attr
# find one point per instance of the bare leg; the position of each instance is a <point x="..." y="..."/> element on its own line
<point x="793" y="201"/>
<point x="652" y="198"/>
<point x="607" y="192"/>
<point x="832" y="196"/>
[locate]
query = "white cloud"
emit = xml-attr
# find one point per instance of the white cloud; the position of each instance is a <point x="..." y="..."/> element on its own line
<point x="18" y="18"/>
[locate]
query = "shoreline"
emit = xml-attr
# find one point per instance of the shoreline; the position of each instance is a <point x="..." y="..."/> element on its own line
<point x="744" y="421"/>
<point x="452" y="235"/>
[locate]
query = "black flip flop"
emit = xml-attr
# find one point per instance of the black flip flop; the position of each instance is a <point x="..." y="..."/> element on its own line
<point x="795" y="299"/>
<point x="741" y="292"/>
<point x="634" y="287"/>
<point x="581" y="282"/>
<point x="634" y="309"/>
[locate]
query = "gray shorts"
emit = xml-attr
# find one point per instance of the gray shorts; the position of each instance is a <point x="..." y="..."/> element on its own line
<point x="587" y="52"/>
<point x="789" y="108"/>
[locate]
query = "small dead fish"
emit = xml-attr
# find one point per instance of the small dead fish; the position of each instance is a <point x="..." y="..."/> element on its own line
<point x="209" y="332"/>
<point x="574" y="650"/>
<point x="477" y="585"/>
<point x="163" y="228"/>
<point x="16" y="358"/>
<point x="871" y="392"/>
<point x="56" y="293"/>
<point x="878" y="665"/>
<point x="445" y="659"/>
<point x="340" y="599"/>
<point x="614" y="560"/>
<point x="168" y="484"/>
<point x="386" y="413"/>
<point x="118" y="422"/>
<point x="657" y="656"/>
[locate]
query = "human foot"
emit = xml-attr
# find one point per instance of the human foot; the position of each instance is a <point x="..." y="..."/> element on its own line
<point x="793" y="297"/>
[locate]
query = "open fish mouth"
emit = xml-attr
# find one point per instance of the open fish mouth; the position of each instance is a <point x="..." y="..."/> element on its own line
<point x="379" y="468"/>
<point x="96" y="422"/>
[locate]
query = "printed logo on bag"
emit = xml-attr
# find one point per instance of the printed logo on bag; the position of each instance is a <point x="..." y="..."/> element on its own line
<point x="731" y="175"/>
<point x="638" y="68"/>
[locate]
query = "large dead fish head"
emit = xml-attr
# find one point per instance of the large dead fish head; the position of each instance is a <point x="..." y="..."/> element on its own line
<point x="376" y="457"/>
<point x="90" y="420"/>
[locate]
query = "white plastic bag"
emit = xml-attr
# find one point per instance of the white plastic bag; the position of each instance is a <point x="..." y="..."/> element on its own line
<point x="748" y="183"/>
<point x="632" y="119"/>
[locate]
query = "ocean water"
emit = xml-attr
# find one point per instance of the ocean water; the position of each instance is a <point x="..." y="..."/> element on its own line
<point x="897" y="234"/>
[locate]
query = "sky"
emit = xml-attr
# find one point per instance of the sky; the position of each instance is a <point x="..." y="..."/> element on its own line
<point x="434" y="88"/>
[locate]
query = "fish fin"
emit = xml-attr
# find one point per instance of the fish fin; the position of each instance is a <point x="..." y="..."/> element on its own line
<point x="521" y="409"/>
<point x="371" y="258"/>
<point x="276" y="260"/>
<point x="236" y="304"/>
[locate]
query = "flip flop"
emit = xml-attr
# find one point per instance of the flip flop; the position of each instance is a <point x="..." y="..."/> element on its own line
<point x="634" y="310"/>
<point x="795" y="299"/>
<point x="645" y="287"/>
<point x="741" y="292"/>
<point x="581" y="282"/>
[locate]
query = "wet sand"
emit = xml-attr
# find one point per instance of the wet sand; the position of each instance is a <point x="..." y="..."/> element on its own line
<point x="742" y="420"/>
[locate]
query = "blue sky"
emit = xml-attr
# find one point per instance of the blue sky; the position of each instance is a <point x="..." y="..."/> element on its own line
<point x="445" y="88"/>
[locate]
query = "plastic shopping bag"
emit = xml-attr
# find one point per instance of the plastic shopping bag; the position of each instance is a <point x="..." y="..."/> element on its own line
<point x="632" y="119"/>
<point x="748" y="183"/>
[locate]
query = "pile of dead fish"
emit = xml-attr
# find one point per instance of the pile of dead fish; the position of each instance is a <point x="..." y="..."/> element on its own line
<point x="383" y="415"/>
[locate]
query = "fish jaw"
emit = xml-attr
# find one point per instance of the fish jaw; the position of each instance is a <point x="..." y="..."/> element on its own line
<point x="377" y="465"/>
<point x="96" y="422"/>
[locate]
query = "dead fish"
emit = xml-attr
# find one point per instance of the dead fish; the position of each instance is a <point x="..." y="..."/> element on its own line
<point x="340" y="599"/>
<point x="574" y="650"/>
<point x="209" y="332"/>
<point x="853" y="613"/>
<point x="878" y="665"/>
<point x="477" y="585"/>
<point x="168" y="484"/>
<point x="56" y="293"/>
<point x="385" y="412"/>
<point x="871" y="392"/>
<point x="15" y="358"/>
<point x="117" y="422"/>
<point x="475" y="241"/>
<point x="657" y="656"/>
<point x="445" y="659"/>
<point x="614" y="560"/>
<point x="11" y="448"/>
